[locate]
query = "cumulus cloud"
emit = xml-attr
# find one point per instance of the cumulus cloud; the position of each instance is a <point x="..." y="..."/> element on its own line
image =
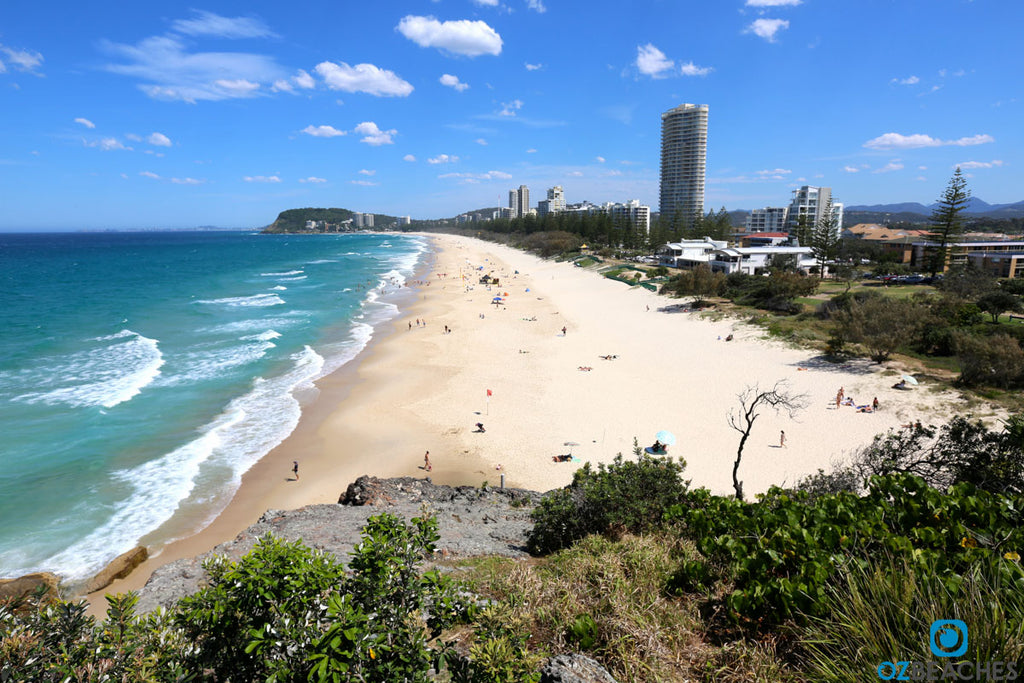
<point x="323" y="131"/>
<point x="463" y="37"/>
<point x="187" y="181"/>
<point x="691" y="69"/>
<point x="487" y="3"/>
<point x="599" y="160"/>
<point x="301" y="79"/>
<point x="366" y="171"/>
<point x="85" y="122"/>
<point x="149" y="174"/>
<point x="531" y="151"/>
<point x="536" y="6"/>
<point x="575" y="174"/>
<point x="652" y="62"/>
<point x="408" y="157"/>
<point x="481" y="141"/>
<point x="365" y="78"/>
<point x="210" y="24"/>
<point x="472" y="177"/>
<point x="893" y="165"/>
<point x="767" y="28"/>
<point x="533" y="67"/>
<point x="969" y="165"/>
<point x="159" y="140"/>
<point x="107" y="144"/>
<point x="453" y="82"/>
<point x="364" y="183"/>
<point x="510" y="108"/>
<point x="851" y="169"/>
<point x="312" y="179"/>
<point x="909" y="80"/>
<point x="917" y="140"/>
<point x="261" y="179"/>
<point x="21" y="60"/>
<point x="773" y="3"/>
<point x="374" y="135"/>
<point x="442" y="159"/>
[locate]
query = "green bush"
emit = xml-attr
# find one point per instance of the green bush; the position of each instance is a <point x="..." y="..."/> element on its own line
<point x="623" y="496"/>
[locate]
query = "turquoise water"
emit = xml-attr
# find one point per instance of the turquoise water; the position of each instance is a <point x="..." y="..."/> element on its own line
<point x="141" y="374"/>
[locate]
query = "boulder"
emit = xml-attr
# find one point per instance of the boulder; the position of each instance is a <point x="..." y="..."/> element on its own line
<point x="16" y="588"/>
<point x="574" y="668"/>
<point x="120" y="567"/>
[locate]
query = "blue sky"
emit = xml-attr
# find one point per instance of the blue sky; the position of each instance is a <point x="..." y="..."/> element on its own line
<point x="224" y="113"/>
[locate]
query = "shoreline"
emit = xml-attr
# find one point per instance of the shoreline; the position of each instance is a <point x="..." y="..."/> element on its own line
<point x="416" y="388"/>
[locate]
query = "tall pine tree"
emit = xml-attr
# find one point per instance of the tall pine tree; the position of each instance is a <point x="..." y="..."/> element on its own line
<point x="825" y="238"/>
<point x="946" y="220"/>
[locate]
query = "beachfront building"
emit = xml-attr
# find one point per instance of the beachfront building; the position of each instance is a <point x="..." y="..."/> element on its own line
<point x="519" y="201"/>
<point x="756" y="260"/>
<point x="555" y="203"/>
<point x="688" y="253"/>
<point x="811" y="202"/>
<point x="405" y="220"/>
<point x="363" y="220"/>
<point x="684" y="142"/>
<point x="768" y="219"/>
<point x="996" y="257"/>
<point x="764" y="239"/>
<point x="630" y="213"/>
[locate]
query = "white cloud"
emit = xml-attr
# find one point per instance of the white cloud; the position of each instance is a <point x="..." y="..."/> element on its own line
<point x="909" y="80"/>
<point x="487" y="3"/>
<point x="107" y="144"/>
<point x="773" y="3"/>
<point x="133" y="137"/>
<point x="469" y="177"/>
<point x="312" y="179"/>
<point x="612" y="173"/>
<point x="922" y="168"/>
<point x="261" y="179"/>
<point x="531" y="151"/>
<point x="282" y="85"/>
<point x="365" y="78"/>
<point x="575" y="174"/>
<point x="767" y="28"/>
<point x="599" y="160"/>
<point x="408" y="157"/>
<point x="22" y="60"/>
<point x="481" y="141"/>
<point x="691" y="69"/>
<point x="374" y="135"/>
<point x="510" y="108"/>
<point x="537" y="6"/>
<point x="893" y="165"/>
<point x="443" y="159"/>
<point x="149" y="174"/>
<point x="463" y="37"/>
<point x="533" y="67"/>
<point x="851" y="169"/>
<point x="187" y="181"/>
<point x="85" y="122"/>
<point x="917" y="140"/>
<point x="159" y="140"/>
<point x="453" y="82"/>
<point x="775" y="173"/>
<point x="366" y="171"/>
<point x="168" y="71"/>
<point x="304" y="80"/>
<point x="651" y="61"/>
<point x="968" y="165"/>
<point x="921" y="177"/>
<point x="210" y="24"/>
<point x="323" y="131"/>
<point x="364" y="183"/>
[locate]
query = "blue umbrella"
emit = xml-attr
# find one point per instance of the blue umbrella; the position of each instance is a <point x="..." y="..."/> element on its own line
<point x="666" y="437"/>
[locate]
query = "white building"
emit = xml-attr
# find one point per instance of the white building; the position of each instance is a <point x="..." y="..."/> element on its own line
<point x="684" y="142"/>
<point x="753" y="260"/>
<point x="632" y="213"/>
<point x="768" y="219"/>
<point x="519" y="201"/>
<point x="554" y="203"/>
<point x="812" y="202"/>
<point x="405" y="220"/>
<point x="363" y="220"/>
<point x="688" y="253"/>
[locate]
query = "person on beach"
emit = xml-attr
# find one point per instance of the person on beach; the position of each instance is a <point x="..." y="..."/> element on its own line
<point x="563" y="330"/>
<point x="426" y="462"/>
<point x="782" y="438"/>
<point x="480" y="427"/>
<point x="295" y="469"/>
<point x="874" y="404"/>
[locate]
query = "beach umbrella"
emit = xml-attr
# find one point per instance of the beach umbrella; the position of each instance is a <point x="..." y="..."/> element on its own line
<point x="570" y="444"/>
<point x="909" y="379"/>
<point x="666" y="437"/>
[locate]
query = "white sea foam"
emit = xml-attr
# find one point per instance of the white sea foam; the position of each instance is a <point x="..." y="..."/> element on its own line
<point x="256" y="300"/>
<point x="279" y="288"/>
<point x="248" y="428"/>
<point x="198" y="366"/>
<point x="266" y="336"/>
<point x="104" y="376"/>
<point x="285" y="274"/>
<point x="323" y="260"/>
<point x="254" y="324"/>
<point x="292" y="279"/>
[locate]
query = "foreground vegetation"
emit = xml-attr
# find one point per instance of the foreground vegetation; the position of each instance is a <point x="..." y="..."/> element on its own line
<point x="657" y="581"/>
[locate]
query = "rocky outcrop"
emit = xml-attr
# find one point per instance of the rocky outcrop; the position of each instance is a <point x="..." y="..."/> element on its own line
<point x="574" y="668"/>
<point x="29" y="584"/>
<point x="471" y="521"/>
<point x="120" y="567"/>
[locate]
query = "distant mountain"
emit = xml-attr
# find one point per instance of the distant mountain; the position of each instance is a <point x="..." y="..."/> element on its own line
<point x="905" y="207"/>
<point x="917" y="212"/>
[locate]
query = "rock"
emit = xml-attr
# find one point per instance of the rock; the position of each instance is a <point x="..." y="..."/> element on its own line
<point x="120" y="567"/>
<point x="574" y="668"/>
<point x="16" y="588"/>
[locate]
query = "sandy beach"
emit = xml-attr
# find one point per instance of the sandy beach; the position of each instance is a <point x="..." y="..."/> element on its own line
<point x="418" y="388"/>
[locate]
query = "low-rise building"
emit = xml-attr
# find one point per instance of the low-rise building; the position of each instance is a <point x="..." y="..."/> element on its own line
<point x="768" y="219"/>
<point x="960" y="253"/>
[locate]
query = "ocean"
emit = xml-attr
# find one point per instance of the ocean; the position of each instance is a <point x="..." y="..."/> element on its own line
<point x="141" y="374"/>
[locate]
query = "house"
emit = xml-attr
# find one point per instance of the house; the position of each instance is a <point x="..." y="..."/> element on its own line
<point x="754" y="260"/>
<point x="687" y="253"/>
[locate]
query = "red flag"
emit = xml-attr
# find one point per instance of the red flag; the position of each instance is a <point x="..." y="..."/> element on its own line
<point x="488" y="392"/>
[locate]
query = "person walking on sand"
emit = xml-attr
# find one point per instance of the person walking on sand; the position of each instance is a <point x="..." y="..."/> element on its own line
<point x="563" y="330"/>
<point x="295" y="469"/>
<point x="782" y="438"/>
<point x="426" y="462"/>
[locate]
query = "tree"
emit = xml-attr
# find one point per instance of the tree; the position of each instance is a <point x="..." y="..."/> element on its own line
<point x="998" y="302"/>
<point x="946" y="220"/>
<point x="881" y="324"/>
<point x="989" y="361"/>
<point x="753" y="400"/>
<point x="825" y="237"/>
<point x="803" y="230"/>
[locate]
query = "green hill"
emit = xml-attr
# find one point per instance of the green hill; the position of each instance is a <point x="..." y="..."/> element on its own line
<point x="325" y="220"/>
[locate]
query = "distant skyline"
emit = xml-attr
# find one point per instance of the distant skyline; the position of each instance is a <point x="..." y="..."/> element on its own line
<point x="225" y="113"/>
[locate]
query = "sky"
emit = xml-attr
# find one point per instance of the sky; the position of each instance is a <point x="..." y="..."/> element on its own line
<point x="218" y="113"/>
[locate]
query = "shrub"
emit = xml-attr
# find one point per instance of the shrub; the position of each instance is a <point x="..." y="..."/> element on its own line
<point x="623" y="496"/>
<point x="994" y="361"/>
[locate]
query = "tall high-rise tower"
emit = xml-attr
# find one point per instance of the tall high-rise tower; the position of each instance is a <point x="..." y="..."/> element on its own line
<point x="684" y="144"/>
<point x="519" y="201"/>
